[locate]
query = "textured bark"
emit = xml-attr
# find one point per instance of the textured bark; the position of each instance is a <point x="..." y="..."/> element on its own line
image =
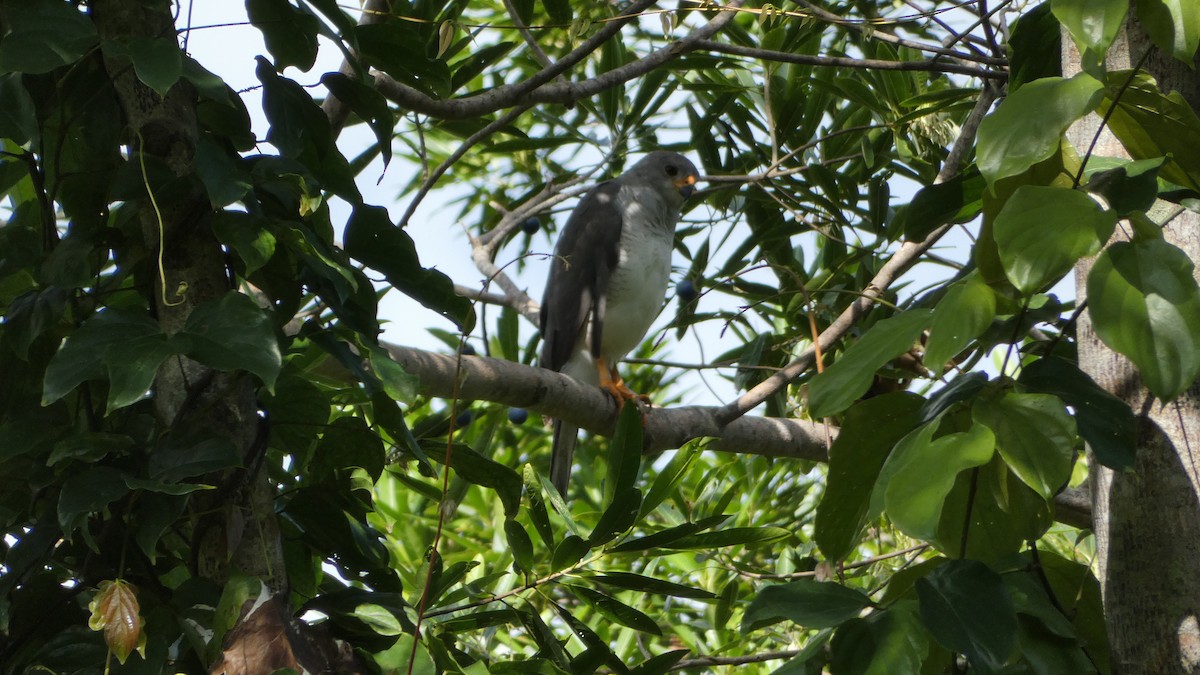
<point x="235" y="526"/>
<point x="1147" y="521"/>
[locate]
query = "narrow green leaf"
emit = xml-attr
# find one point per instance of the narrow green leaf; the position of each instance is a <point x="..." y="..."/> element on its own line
<point x="475" y="468"/>
<point x="191" y="450"/>
<point x="1035" y="435"/>
<point x="869" y="430"/>
<point x="624" y="453"/>
<point x="921" y="472"/>
<point x="620" y="515"/>
<point x="1151" y="124"/>
<point x="733" y="536"/>
<point x="568" y="552"/>
<point x="233" y="333"/>
<point x="806" y="602"/>
<point x="850" y="376"/>
<point x="637" y="582"/>
<point x="963" y="314"/>
<point x="89" y="446"/>
<point x="1104" y="421"/>
<point x="1029" y="124"/>
<point x="1042" y="231"/>
<point x="663" y="538"/>
<point x="669" y="477"/>
<point x="618" y="612"/>
<point x="660" y="664"/>
<point x="957" y="200"/>
<point x="520" y="544"/>
<point x="968" y="609"/>
<point x="1145" y="304"/>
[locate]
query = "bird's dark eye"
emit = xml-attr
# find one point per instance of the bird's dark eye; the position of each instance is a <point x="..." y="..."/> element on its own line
<point x="671" y="170"/>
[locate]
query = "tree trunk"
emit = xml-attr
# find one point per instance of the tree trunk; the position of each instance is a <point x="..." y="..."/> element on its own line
<point x="1147" y="522"/>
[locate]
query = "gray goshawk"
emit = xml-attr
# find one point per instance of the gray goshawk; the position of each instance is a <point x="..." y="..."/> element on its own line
<point x="607" y="280"/>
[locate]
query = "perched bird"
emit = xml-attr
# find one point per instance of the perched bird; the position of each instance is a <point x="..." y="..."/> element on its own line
<point x="607" y="280"/>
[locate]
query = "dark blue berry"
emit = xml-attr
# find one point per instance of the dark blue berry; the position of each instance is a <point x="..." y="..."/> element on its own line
<point x="686" y="290"/>
<point x="464" y="419"/>
<point x="467" y="349"/>
<point x="531" y="225"/>
<point x="518" y="415"/>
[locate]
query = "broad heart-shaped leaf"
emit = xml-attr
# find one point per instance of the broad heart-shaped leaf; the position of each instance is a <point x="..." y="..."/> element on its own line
<point x="290" y="34"/>
<point x="1104" y="421"/>
<point x="158" y="62"/>
<point x="850" y="376"/>
<point x="921" y="472"/>
<point x="42" y="36"/>
<point x="1042" y="231"/>
<point x="18" y="121"/>
<point x="807" y="602"/>
<point x="1035" y="435"/>
<point x="869" y="430"/>
<point x="370" y="106"/>
<point x="125" y="347"/>
<point x="963" y="314"/>
<point x="1029" y="124"/>
<point x="1173" y="26"/>
<point x="957" y="200"/>
<point x="191" y="450"/>
<point x="1144" y="303"/>
<point x="372" y="238"/>
<point x="233" y="333"/>
<point x="1093" y="24"/>
<point x="1128" y="186"/>
<point x="624" y="453"/>
<point x="889" y="642"/>
<point x="248" y="235"/>
<point x="1151" y="125"/>
<point x="967" y="608"/>
<point x="87" y="491"/>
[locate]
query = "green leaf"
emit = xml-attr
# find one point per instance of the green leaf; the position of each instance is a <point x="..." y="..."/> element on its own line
<point x="667" y="536"/>
<point x="869" y="430"/>
<point x="568" y="552"/>
<point x="1129" y="186"/>
<point x="520" y="544"/>
<point x="850" y="376"/>
<point x="968" y="609"/>
<point x="157" y="62"/>
<point x="1042" y="231"/>
<point x="955" y="201"/>
<point x="669" y="477"/>
<point x="1029" y="124"/>
<point x="128" y="348"/>
<point x="1173" y="26"/>
<point x="806" y="602"/>
<point x="247" y="235"/>
<point x="89" y="491"/>
<point x="1035" y="435"/>
<point x="479" y="470"/>
<point x="1106" y="422"/>
<point x="370" y="106"/>
<point x="347" y="442"/>
<point x="1035" y="48"/>
<point x="618" y="612"/>
<point x="226" y="181"/>
<point x="378" y="618"/>
<point x="966" y="310"/>
<point x="42" y="36"/>
<point x="660" y="664"/>
<point x="18" y="120"/>
<point x="1144" y="303"/>
<point x="733" y="536"/>
<point x="921" y="472"/>
<point x="637" y="582"/>
<point x="399" y="658"/>
<point x="89" y="446"/>
<point x="620" y="515"/>
<point x="191" y="450"/>
<point x="890" y="642"/>
<point x="233" y="333"/>
<point x="372" y="239"/>
<point x="290" y="34"/>
<point x="1093" y="24"/>
<point x="1150" y="125"/>
<point x="624" y="453"/>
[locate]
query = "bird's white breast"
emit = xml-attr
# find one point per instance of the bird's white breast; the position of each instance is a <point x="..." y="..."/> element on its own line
<point x="639" y="283"/>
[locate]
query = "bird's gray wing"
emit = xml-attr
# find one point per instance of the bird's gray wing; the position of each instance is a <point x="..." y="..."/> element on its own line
<point x="587" y="252"/>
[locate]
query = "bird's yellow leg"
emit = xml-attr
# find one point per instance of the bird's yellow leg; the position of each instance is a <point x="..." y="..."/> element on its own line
<point x="610" y="381"/>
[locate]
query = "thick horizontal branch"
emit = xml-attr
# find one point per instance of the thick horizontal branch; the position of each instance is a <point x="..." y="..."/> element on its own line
<point x="556" y="395"/>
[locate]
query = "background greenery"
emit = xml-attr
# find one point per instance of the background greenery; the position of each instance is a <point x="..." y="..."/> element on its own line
<point x="189" y="426"/>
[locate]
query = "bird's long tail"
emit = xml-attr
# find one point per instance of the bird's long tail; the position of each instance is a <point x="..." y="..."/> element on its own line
<point x="565" y="438"/>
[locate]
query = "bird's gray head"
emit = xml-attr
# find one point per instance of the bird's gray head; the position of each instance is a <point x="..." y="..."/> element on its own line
<point x="670" y="173"/>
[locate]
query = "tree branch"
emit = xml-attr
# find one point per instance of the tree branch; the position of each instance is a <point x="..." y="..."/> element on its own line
<point x="537" y="90"/>
<point x="846" y="62"/>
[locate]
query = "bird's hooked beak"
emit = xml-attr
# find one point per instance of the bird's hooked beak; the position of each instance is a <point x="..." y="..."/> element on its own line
<point x="686" y="185"/>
